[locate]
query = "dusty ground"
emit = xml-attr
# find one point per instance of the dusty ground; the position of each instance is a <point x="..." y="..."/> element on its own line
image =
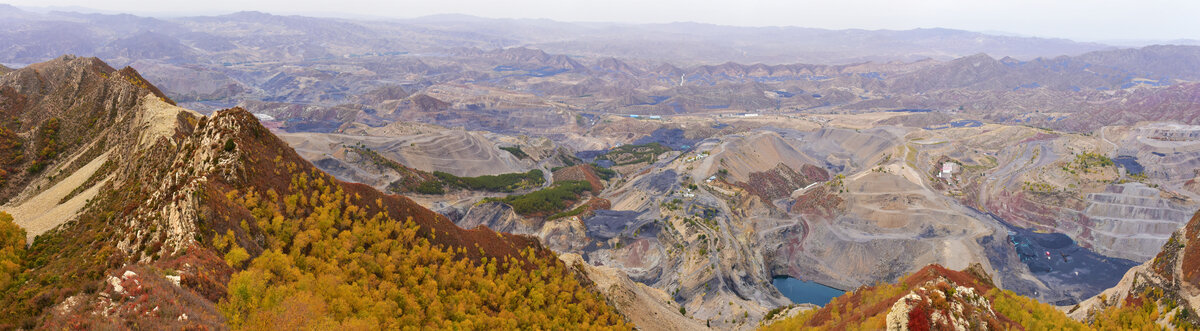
<point x="42" y="212"/>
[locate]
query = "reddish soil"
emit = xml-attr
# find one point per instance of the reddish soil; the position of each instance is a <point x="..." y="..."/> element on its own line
<point x="581" y="172"/>
<point x="814" y="173"/>
<point x="818" y="202"/>
<point x="1191" y="251"/>
<point x="1192" y="185"/>
<point x="1039" y="136"/>
<point x="779" y="182"/>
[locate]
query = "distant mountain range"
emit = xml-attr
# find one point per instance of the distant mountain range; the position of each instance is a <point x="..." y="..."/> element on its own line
<point x="254" y="36"/>
<point x="265" y="61"/>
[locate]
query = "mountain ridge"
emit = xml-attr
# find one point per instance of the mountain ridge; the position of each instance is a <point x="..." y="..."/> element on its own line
<point x="177" y="224"/>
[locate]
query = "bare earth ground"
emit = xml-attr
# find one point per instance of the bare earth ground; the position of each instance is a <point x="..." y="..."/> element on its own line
<point x="43" y="212"/>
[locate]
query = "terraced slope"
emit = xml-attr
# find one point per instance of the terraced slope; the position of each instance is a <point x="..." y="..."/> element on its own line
<point x="1168" y="152"/>
<point x="457" y="152"/>
<point x="1129" y="220"/>
<point x="1160" y="292"/>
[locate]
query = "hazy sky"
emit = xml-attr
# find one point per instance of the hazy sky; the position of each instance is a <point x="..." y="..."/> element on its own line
<point x="1094" y="20"/>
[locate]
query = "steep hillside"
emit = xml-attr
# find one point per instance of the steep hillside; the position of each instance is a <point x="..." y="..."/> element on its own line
<point x="166" y="219"/>
<point x="59" y="120"/>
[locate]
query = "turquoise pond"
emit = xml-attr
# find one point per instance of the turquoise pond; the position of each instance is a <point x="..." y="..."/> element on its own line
<point x="800" y="291"/>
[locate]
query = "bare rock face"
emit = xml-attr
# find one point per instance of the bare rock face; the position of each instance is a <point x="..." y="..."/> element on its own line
<point x="498" y="217"/>
<point x="564" y="234"/>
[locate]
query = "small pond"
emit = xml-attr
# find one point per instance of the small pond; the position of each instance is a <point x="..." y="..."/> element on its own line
<point x="800" y="291"/>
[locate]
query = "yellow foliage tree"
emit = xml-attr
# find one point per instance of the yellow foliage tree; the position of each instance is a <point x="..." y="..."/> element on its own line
<point x="12" y="249"/>
<point x="329" y="264"/>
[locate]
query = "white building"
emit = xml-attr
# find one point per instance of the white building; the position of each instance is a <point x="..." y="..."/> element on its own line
<point x="948" y="170"/>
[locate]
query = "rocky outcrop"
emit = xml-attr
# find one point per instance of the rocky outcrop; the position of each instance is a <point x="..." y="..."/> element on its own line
<point x="940" y="304"/>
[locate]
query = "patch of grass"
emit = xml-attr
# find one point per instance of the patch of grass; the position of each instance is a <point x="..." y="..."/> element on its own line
<point x="494" y="183"/>
<point x="1091" y="162"/>
<point x="516" y="151"/>
<point x="604" y="173"/>
<point x="632" y="154"/>
<point x="412" y="180"/>
<point x="911" y="157"/>
<point x="426" y="183"/>
<point x="547" y="200"/>
<point x="776" y="311"/>
<point x="572" y="212"/>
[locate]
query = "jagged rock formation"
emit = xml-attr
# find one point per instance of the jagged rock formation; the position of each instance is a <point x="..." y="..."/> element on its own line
<point x="967" y="308"/>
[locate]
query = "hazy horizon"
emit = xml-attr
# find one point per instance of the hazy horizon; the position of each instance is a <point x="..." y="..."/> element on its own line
<point x="1086" y="21"/>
